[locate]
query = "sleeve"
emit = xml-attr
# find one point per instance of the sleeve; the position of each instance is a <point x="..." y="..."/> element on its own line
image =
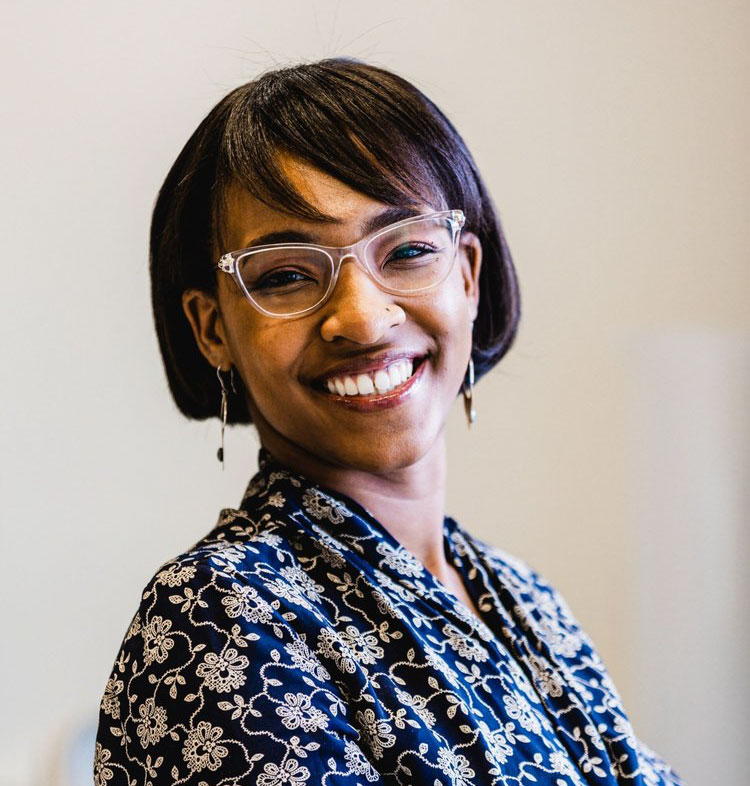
<point x="212" y="685"/>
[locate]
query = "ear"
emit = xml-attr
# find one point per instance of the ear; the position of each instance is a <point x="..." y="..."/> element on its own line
<point x="470" y="255"/>
<point x="202" y="312"/>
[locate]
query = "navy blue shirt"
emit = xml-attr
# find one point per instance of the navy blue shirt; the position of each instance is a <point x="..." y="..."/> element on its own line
<point x="299" y="643"/>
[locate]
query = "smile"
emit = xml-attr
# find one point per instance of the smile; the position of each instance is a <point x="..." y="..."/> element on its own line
<point x="366" y="384"/>
<point x="385" y="387"/>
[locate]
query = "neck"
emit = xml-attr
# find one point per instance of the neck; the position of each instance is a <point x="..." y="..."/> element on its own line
<point x="409" y="501"/>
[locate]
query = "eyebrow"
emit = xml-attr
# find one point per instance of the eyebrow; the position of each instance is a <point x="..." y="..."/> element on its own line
<point x="388" y="216"/>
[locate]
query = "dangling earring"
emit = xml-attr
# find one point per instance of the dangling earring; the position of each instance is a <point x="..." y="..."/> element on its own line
<point x="468" y="391"/>
<point x="223" y="410"/>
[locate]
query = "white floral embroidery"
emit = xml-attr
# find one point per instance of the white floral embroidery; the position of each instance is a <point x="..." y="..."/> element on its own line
<point x="456" y="767"/>
<point x="297" y="711"/>
<point x="111" y="699"/>
<point x="375" y="732"/>
<point x="290" y="773"/>
<point x="245" y="602"/>
<point x="202" y="748"/>
<point x="399" y="560"/>
<point x="156" y="640"/>
<point x="304" y="659"/>
<point x="292" y="592"/>
<point x="321" y="506"/>
<point x="500" y="748"/>
<point x="300" y="581"/>
<point x="135" y="627"/>
<point x="357" y="762"/>
<point x="153" y="725"/>
<point x="519" y="708"/>
<point x="331" y="645"/>
<point x="559" y="762"/>
<point x="223" y="673"/>
<point x="433" y="659"/>
<point x="363" y="646"/>
<point x="547" y="682"/>
<point x="419" y="705"/>
<point x="463" y="645"/>
<point x="175" y="575"/>
<point x="102" y="773"/>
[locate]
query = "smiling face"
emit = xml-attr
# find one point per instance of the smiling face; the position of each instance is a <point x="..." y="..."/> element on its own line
<point x="286" y="364"/>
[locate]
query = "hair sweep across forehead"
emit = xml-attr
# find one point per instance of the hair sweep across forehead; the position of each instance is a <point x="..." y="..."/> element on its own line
<point x="361" y="124"/>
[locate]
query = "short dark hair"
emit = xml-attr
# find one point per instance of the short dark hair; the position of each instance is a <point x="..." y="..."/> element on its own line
<point x="363" y="125"/>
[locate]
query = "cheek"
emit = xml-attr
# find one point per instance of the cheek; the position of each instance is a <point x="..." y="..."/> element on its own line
<point x="447" y="319"/>
<point x="263" y="351"/>
<point x="449" y="314"/>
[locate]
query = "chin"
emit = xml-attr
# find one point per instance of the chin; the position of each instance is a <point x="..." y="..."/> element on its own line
<point x="382" y="456"/>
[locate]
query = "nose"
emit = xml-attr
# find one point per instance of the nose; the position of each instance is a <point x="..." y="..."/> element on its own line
<point x="358" y="309"/>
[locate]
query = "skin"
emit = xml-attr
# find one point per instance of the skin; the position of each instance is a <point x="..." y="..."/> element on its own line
<point x="392" y="461"/>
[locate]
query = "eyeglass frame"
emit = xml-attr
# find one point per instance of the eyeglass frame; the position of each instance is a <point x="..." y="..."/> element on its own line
<point x="336" y="254"/>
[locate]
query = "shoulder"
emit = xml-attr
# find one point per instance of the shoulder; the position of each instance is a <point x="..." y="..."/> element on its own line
<point x="215" y="670"/>
<point x="239" y="542"/>
<point x="259" y="556"/>
<point x="245" y="556"/>
<point x="208" y="615"/>
<point x="231" y="583"/>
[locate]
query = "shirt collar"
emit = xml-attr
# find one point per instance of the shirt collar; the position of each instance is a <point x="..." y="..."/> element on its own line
<point x="302" y="510"/>
<point x="315" y="507"/>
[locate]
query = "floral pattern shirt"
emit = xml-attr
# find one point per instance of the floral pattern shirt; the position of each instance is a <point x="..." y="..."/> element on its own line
<point x="299" y="643"/>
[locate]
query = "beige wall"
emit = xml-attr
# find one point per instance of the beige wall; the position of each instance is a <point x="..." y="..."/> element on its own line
<point x="614" y="138"/>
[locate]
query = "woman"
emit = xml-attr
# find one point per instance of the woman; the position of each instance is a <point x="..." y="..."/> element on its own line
<point x="327" y="264"/>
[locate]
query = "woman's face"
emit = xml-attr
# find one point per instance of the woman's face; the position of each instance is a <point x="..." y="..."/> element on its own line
<point x="284" y="362"/>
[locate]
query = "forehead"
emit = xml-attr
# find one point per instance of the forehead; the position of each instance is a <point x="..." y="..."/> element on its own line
<point x="347" y="210"/>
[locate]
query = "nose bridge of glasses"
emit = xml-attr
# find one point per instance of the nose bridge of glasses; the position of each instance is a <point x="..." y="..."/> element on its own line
<point x="353" y="283"/>
<point x="354" y="253"/>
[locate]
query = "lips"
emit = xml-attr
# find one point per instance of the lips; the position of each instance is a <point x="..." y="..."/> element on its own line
<point x="389" y="366"/>
<point x="378" y="401"/>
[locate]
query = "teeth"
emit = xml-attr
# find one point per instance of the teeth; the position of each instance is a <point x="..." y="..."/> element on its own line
<point x="365" y="385"/>
<point x="382" y="380"/>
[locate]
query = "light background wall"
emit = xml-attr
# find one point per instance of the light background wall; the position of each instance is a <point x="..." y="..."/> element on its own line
<point x="611" y="446"/>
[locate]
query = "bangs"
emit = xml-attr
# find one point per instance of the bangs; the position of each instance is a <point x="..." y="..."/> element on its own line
<point x="372" y="134"/>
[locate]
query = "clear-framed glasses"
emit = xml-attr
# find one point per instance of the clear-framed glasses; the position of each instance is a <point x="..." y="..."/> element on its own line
<point x="405" y="258"/>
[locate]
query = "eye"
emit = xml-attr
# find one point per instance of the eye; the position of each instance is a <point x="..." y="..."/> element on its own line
<point x="280" y="279"/>
<point x="409" y="251"/>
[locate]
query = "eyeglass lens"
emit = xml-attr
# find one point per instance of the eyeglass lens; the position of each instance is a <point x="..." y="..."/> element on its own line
<point x="411" y="257"/>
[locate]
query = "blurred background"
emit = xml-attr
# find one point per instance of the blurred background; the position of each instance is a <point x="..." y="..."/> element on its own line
<point x="611" y="448"/>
